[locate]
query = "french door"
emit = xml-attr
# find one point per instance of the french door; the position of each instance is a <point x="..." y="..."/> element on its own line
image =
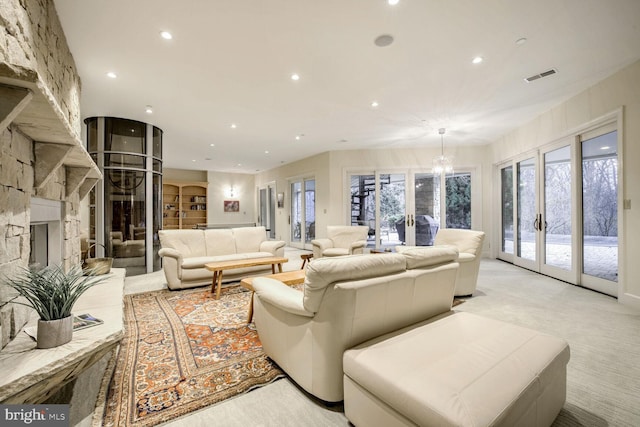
<point x="408" y="207"/>
<point x="302" y="219"/>
<point x="559" y="213"/>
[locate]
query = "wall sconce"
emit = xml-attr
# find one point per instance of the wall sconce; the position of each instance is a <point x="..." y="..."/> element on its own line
<point x="230" y="192"/>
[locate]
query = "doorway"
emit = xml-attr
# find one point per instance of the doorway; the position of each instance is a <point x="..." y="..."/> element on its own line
<point x="302" y="219"/>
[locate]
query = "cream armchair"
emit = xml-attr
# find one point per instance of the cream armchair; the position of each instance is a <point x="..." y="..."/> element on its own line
<point x="469" y="244"/>
<point x="341" y="240"/>
<point x="344" y="302"/>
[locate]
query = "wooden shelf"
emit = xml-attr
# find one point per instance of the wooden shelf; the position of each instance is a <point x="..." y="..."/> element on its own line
<point x="178" y="198"/>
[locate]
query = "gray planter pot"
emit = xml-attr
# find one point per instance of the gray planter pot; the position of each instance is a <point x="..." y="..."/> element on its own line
<point x="52" y="333"/>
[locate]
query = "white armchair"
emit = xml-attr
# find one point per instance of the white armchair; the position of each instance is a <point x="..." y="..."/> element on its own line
<point x="341" y="240"/>
<point x="469" y="244"/>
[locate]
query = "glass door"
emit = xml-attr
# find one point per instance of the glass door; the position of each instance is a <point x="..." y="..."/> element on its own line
<point x="383" y="214"/>
<point x="267" y="209"/>
<point x="423" y="220"/>
<point x="556" y="223"/>
<point x="599" y="156"/>
<point x="506" y="213"/>
<point x="303" y="213"/>
<point x="527" y="216"/>
<point x="559" y="211"/>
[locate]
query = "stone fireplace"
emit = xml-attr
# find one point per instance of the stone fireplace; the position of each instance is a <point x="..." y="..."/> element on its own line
<point x="44" y="168"/>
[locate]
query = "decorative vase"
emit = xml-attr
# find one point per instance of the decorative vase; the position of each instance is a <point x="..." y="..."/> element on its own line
<point x="52" y="333"/>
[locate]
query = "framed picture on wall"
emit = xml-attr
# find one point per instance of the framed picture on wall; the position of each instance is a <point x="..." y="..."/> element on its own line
<point x="281" y="200"/>
<point x="231" y="206"/>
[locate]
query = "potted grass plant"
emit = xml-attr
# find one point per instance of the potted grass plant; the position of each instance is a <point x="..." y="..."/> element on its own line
<point x="52" y="292"/>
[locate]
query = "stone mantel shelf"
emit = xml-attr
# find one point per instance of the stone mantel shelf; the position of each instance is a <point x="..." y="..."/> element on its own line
<point x="29" y="375"/>
<point x="42" y="120"/>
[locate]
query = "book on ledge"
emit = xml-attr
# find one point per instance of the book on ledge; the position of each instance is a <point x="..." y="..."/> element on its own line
<point x="85" y="321"/>
<point x="79" y="322"/>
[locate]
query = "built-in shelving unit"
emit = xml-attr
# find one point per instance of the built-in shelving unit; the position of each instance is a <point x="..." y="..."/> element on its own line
<point x="184" y="204"/>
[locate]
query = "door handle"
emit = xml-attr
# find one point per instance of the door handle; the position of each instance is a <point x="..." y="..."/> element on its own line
<point x="536" y="223"/>
<point x="412" y="221"/>
<point x="408" y="220"/>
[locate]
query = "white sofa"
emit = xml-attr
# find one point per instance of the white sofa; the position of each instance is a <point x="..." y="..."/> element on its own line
<point x="185" y="252"/>
<point x="344" y="302"/>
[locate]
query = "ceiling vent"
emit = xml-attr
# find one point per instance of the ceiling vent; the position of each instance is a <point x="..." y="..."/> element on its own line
<point x="541" y="75"/>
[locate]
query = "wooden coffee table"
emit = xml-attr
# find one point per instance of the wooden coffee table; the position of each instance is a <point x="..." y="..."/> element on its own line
<point x="294" y="277"/>
<point x="220" y="266"/>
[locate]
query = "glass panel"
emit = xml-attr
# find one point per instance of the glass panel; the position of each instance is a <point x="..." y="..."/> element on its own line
<point x="124" y="161"/>
<point x="272" y="213"/>
<point x="458" y="200"/>
<point x="157" y="143"/>
<point x="526" y="247"/>
<point x="427" y="210"/>
<point x="157" y="166"/>
<point x="557" y="208"/>
<point x="263" y="207"/>
<point x="124" y="135"/>
<point x="363" y="203"/>
<point x="92" y="135"/>
<point x="310" y="210"/>
<point x="125" y="181"/>
<point x="296" y="211"/>
<point x="600" y="206"/>
<point x="392" y="209"/>
<point x="157" y="219"/>
<point x="506" y="179"/>
<point x="125" y="220"/>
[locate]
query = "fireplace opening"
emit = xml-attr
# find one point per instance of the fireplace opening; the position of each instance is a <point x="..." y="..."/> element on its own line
<point x="46" y="232"/>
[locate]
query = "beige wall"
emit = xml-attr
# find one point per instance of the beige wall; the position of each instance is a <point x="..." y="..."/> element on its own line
<point x="219" y="190"/>
<point x="621" y="90"/>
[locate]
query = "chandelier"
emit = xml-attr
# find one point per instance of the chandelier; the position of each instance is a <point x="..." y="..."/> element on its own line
<point x="442" y="163"/>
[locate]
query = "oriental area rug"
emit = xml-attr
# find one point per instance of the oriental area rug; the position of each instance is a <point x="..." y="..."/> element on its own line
<point x="182" y="351"/>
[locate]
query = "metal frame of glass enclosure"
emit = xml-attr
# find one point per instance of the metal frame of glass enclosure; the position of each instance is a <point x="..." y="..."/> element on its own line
<point x="129" y="155"/>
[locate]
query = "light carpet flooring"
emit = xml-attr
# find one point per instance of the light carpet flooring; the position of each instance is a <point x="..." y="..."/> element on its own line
<point x="603" y="379"/>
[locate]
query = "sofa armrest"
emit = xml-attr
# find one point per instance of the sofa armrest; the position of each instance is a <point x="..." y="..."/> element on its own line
<point x="280" y="296"/>
<point x="172" y="266"/>
<point x="170" y="252"/>
<point x="319" y="245"/>
<point x="358" y="246"/>
<point x="271" y="246"/>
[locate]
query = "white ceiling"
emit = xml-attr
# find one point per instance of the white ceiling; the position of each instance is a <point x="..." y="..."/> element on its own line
<point x="230" y="61"/>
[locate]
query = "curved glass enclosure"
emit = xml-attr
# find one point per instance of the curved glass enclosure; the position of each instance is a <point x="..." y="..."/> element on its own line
<point x="125" y="211"/>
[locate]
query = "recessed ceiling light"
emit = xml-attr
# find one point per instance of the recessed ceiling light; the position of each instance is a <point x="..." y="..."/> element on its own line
<point x="166" y="35"/>
<point x="193" y="160"/>
<point x="606" y="147"/>
<point x="477" y="59"/>
<point x="266" y="151"/>
<point x="295" y="76"/>
<point x="112" y="75"/>
<point x="521" y="41"/>
<point x="239" y="164"/>
<point x="212" y="145"/>
<point x="148" y="109"/>
<point x="233" y="125"/>
<point x="133" y="130"/>
<point x="374" y="104"/>
<point x="393" y="2"/>
<point x="298" y="137"/>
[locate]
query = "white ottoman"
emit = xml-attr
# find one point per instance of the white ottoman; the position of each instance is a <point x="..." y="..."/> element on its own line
<point x="460" y="369"/>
